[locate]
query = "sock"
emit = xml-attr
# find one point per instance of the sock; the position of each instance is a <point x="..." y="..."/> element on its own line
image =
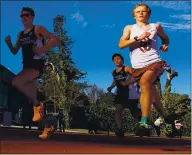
<point x="144" y="120"/>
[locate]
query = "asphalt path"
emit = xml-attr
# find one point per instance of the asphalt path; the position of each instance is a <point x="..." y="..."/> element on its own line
<point x="19" y="141"/>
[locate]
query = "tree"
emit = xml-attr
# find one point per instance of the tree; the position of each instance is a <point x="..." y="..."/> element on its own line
<point x="170" y="76"/>
<point x="51" y="86"/>
<point x="94" y="93"/>
<point x="61" y="85"/>
<point x="64" y="51"/>
<point x="107" y="99"/>
<point x="174" y="103"/>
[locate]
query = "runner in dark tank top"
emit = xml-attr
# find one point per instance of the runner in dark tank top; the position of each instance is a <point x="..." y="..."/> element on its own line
<point x="31" y="40"/>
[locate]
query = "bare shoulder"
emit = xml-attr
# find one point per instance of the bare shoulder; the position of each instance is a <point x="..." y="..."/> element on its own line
<point x="160" y="30"/>
<point x="39" y="28"/>
<point x="44" y="32"/>
<point x="126" y="32"/>
<point x="38" y="31"/>
<point x="158" y="26"/>
<point x="128" y="69"/>
<point x="128" y="28"/>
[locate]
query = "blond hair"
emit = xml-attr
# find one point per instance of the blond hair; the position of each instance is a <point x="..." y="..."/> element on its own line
<point x="141" y="4"/>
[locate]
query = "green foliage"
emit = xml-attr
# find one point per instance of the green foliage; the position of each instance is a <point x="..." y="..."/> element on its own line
<point x="186" y="121"/>
<point x="107" y="99"/>
<point x="179" y="103"/>
<point x="60" y="80"/>
<point x="106" y="116"/>
<point x="176" y="103"/>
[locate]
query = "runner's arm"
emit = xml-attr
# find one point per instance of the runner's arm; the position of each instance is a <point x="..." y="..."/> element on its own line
<point x="163" y="36"/>
<point x="14" y="49"/>
<point x="112" y="85"/>
<point x="125" y="40"/>
<point x="128" y="82"/>
<point x="131" y="80"/>
<point x="53" y="40"/>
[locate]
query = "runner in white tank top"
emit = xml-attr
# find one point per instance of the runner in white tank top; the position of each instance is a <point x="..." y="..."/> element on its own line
<point x="147" y="65"/>
<point x="144" y="53"/>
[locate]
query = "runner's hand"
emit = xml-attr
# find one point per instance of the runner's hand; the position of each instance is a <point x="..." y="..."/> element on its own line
<point x="144" y="36"/>
<point x="109" y="89"/>
<point x="8" y="39"/>
<point x="164" y="48"/>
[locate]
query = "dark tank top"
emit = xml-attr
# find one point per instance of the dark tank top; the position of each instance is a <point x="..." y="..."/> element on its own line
<point x="118" y="77"/>
<point x="28" y="42"/>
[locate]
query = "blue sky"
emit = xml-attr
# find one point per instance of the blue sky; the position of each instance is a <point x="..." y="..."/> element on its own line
<point x="96" y="28"/>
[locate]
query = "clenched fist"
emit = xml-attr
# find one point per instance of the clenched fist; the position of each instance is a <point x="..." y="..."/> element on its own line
<point x="8" y="39"/>
<point x="164" y="48"/>
<point x="144" y="36"/>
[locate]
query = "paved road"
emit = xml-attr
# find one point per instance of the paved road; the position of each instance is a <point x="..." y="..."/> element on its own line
<point x="20" y="141"/>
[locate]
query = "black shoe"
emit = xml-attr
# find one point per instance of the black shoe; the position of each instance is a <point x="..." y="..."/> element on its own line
<point x="143" y="130"/>
<point x="172" y="117"/>
<point x="119" y="133"/>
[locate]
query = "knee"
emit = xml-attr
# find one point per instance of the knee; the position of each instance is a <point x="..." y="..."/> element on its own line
<point x="145" y="84"/>
<point x="16" y="82"/>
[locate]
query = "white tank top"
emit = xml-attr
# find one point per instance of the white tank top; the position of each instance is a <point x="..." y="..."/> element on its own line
<point x="145" y="53"/>
<point x="39" y="43"/>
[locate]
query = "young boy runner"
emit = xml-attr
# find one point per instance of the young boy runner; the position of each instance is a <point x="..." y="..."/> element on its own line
<point x="122" y="98"/>
<point x="146" y="62"/>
